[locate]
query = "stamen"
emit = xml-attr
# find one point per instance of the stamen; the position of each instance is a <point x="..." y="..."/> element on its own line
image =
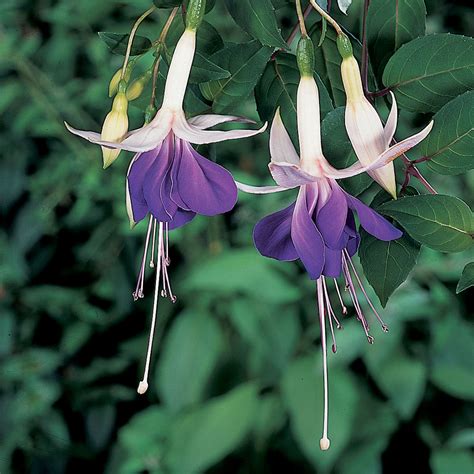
<point x="152" y="263"/>
<point x="167" y="257"/>
<point x="381" y="321"/>
<point x="324" y="442"/>
<point x="330" y="314"/>
<point x="344" y="308"/>
<point x="143" y="385"/>
<point x="138" y="293"/>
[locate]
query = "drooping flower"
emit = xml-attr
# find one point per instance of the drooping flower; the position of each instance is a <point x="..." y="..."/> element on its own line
<point x="366" y="132"/>
<point x="167" y="179"/>
<point x="319" y="228"/>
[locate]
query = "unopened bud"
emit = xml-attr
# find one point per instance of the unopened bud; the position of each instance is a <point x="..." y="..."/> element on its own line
<point x="344" y="45"/>
<point x="305" y="56"/>
<point x="135" y="89"/>
<point x="115" y="127"/>
<point x="195" y="13"/>
<point x="117" y="77"/>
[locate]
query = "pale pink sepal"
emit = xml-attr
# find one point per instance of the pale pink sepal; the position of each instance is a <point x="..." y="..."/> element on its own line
<point x="401" y="147"/>
<point x="259" y="189"/>
<point x="289" y="175"/>
<point x="391" y="125"/>
<point x="194" y="134"/>
<point x="210" y="120"/>
<point x="281" y="146"/>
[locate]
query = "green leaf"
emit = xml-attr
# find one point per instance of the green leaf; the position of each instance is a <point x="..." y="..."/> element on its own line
<point x="302" y="391"/>
<point x="444" y="223"/>
<point x="387" y="264"/>
<point x="100" y="422"/>
<point x="204" y="70"/>
<point x="246" y="63"/>
<point x="244" y="273"/>
<point x="390" y="25"/>
<point x="462" y="439"/>
<point x="257" y="19"/>
<point x="117" y="43"/>
<point x="339" y="152"/>
<point x="190" y="353"/>
<point x="278" y="87"/>
<point x="428" y="72"/>
<point x="451" y="357"/>
<point x="167" y="3"/>
<point x="457" y="462"/>
<point x="450" y="144"/>
<point x="201" y="438"/>
<point x="402" y="379"/>
<point x="467" y="278"/>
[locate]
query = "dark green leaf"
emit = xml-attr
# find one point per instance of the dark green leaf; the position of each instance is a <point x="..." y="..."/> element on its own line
<point x="200" y="438"/>
<point x="117" y="43"/>
<point x="339" y="152"/>
<point x="450" y="143"/>
<point x="204" y="70"/>
<point x="443" y="223"/>
<point x="390" y="25"/>
<point x="428" y="72"/>
<point x="190" y="353"/>
<point x="452" y="461"/>
<point x="257" y="19"/>
<point x="451" y="357"/>
<point x="277" y="88"/>
<point x="387" y="264"/>
<point x="246" y="63"/>
<point x="467" y="278"/>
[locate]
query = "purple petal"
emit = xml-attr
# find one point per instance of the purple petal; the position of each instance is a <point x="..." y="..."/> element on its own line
<point x="156" y="181"/>
<point x="306" y="238"/>
<point x="332" y="217"/>
<point x="272" y="235"/>
<point x="353" y="237"/>
<point x="203" y="186"/>
<point x="180" y="218"/>
<point x="372" y="221"/>
<point x="332" y="263"/>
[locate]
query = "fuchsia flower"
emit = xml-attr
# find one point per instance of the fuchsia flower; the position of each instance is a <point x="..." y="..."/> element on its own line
<point x="167" y="178"/>
<point x="319" y="228"/>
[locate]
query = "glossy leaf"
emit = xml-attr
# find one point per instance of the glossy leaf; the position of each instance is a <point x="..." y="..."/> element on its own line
<point x="387" y="264"/>
<point x="443" y="223"/>
<point x="467" y="278"/>
<point x="428" y="72"/>
<point x="202" y="437"/>
<point x="455" y="461"/>
<point x="450" y="144"/>
<point x="338" y="151"/>
<point x="278" y="87"/>
<point x="390" y="25"/>
<point x="246" y="63"/>
<point x="117" y="43"/>
<point x="190" y="354"/>
<point x="257" y="19"/>
<point x="204" y="70"/>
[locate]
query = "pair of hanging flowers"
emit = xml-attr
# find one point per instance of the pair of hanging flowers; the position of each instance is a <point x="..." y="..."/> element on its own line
<point x="169" y="181"/>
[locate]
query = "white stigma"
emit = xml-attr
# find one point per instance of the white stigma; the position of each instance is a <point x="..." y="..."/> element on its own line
<point x="142" y="387"/>
<point x="324" y="443"/>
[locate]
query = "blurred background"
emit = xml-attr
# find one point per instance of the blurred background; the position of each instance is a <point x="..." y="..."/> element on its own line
<point x="236" y="383"/>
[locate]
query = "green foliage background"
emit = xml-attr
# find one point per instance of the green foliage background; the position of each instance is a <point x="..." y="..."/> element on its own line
<point x="236" y="383"/>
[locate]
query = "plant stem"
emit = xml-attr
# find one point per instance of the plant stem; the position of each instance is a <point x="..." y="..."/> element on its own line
<point x="132" y="35"/>
<point x="328" y="17"/>
<point x="365" y="53"/>
<point x="300" y="14"/>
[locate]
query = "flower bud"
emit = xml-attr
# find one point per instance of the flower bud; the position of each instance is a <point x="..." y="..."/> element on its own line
<point x="344" y="45"/>
<point x="136" y="87"/>
<point x="305" y="56"/>
<point x="114" y="82"/>
<point x="115" y="127"/>
<point x="195" y="13"/>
